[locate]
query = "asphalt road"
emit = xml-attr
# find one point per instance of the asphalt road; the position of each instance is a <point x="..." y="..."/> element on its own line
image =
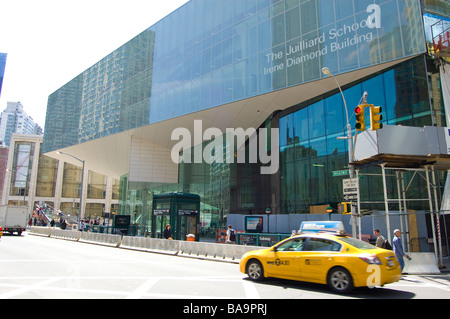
<point x="34" y="267"/>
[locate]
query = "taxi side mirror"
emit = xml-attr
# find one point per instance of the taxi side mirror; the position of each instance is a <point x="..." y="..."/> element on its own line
<point x="275" y="249"/>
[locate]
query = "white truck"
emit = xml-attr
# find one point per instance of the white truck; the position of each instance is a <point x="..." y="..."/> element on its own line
<point x="13" y="219"/>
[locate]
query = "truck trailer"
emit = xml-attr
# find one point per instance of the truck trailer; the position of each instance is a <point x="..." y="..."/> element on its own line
<point x="13" y="219"/>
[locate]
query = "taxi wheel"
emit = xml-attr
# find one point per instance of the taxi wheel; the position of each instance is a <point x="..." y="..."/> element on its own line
<point x="340" y="280"/>
<point x="255" y="270"/>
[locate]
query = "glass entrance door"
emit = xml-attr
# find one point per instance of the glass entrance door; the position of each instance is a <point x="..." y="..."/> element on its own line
<point x="160" y="223"/>
<point x="188" y="225"/>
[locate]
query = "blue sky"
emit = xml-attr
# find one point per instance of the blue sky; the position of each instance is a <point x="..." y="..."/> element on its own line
<point x="49" y="42"/>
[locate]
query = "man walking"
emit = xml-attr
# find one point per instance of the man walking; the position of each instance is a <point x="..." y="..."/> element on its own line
<point x="380" y="239"/>
<point x="398" y="248"/>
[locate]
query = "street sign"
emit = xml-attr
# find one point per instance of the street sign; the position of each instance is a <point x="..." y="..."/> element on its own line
<point x="344" y="172"/>
<point x="352" y="197"/>
<point x="351" y="186"/>
<point x="351" y="189"/>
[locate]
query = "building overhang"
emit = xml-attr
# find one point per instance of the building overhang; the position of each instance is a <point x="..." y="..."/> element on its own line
<point x="111" y="155"/>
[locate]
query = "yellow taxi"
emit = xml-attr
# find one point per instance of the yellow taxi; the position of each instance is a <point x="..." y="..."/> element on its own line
<point x="1" y="232"/>
<point x="325" y="257"/>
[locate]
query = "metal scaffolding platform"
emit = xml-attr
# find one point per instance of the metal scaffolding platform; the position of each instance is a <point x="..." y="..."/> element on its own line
<point x="422" y="151"/>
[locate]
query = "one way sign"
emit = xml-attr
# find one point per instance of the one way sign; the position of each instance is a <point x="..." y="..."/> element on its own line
<point x="351" y="189"/>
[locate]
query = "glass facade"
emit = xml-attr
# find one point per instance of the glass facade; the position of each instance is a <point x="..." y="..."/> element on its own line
<point x="310" y="150"/>
<point x="210" y="53"/>
<point x="46" y="180"/>
<point x="96" y="186"/>
<point x="21" y="169"/>
<point x="2" y="69"/>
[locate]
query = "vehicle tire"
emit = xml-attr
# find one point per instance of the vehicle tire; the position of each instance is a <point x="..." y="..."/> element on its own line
<point x="340" y="280"/>
<point x="255" y="270"/>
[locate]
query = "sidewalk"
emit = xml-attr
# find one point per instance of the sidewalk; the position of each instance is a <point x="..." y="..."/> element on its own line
<point x="446" y="270"/>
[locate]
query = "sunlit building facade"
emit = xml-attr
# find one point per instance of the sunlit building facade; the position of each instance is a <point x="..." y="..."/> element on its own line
<point x="35" y="180"/>
<point x="246" y="64"/>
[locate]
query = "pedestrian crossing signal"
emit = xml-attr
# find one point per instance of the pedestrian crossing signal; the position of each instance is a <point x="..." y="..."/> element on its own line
<point x="344" y="208"/>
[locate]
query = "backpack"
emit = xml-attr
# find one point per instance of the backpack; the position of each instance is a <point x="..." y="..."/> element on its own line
<point x="387" y="245"/>
<point x="232" y="235"/>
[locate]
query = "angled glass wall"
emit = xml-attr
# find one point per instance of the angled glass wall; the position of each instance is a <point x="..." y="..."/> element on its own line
<point x="2" y="69"/>
<point x="211" y="53"/>
<point x="310" y="150"/>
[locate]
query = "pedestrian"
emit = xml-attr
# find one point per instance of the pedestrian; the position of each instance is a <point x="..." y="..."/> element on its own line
<point x="231" y="235"/>
<point x="168" y="232"/>
<point x="398" y="248"/>
<point x="380" y="239"/>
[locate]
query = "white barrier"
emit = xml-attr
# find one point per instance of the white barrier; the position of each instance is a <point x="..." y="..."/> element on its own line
<point x="40" y="231"/>
<point x="421" y="263"/>
<point x="211" y="251"/>
<point x="102" y="239"/>
<point x="64" y="234"/>
<point x="170" y="247"/>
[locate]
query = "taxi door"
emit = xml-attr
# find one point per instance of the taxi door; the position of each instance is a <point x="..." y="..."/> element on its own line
<point x="284" y="260"/>
<point x="317" y="258"/>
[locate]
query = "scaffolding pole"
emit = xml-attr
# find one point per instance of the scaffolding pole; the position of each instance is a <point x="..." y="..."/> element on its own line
<point x="438" y="221"/>
<point x="431" y="214"/>
<point x="386" y="202"/>
<point x="402" y="200"/>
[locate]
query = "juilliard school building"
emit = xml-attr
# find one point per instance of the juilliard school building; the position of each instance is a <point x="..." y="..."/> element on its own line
<point x="221" y="111"/>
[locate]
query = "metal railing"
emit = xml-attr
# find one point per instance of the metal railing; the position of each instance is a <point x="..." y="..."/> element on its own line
<point x="440" y="32"/>
<point x="259" y="239"/>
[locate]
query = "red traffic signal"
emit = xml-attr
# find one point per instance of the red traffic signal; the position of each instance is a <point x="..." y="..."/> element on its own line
<point x="360" y="118"/>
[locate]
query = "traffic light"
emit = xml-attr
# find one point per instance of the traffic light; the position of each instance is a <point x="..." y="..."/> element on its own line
<point x="360" y="118"/>
<point x="375" y="118"/>
<point x="344" y="208"/>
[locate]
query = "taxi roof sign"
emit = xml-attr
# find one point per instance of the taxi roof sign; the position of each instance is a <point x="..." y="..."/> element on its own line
<point x="322" y="227"/>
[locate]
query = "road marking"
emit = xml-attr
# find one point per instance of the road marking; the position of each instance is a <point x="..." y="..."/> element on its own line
<point x="28" y="288"/>
<point x="250" y="290"/>
<point x="142" y="289"/>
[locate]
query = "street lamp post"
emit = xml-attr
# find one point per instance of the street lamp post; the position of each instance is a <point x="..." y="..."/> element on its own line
<point x="82" y="182"/>
<point x="349" y="139"/>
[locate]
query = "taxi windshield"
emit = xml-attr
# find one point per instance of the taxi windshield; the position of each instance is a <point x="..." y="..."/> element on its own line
<point x="357" y="243"/>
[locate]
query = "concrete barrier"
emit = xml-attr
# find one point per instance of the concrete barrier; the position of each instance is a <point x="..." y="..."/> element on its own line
<point x="65" y="234"/>
<point x="41" y="231"/>
<point x="421" y="263"/>
<point x="162" y="246"/>
<point x="101" y="239"/>
<point x="211" y="251"/>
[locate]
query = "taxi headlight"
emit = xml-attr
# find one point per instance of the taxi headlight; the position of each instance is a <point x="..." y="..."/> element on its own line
<point x="371" y="259"/>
